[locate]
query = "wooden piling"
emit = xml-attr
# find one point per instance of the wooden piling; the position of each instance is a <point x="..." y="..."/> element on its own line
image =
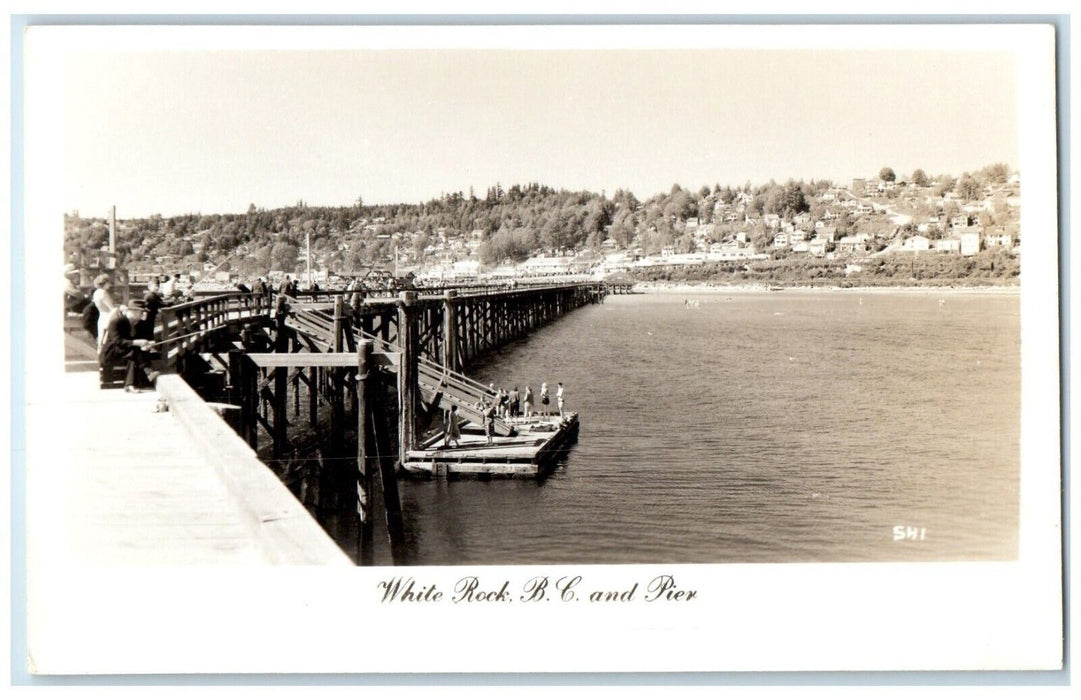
<point x="281" y="390"/>
<point x="407" y="372"/>
<point x="450" y="330"/>
<point x="364" y="472"/>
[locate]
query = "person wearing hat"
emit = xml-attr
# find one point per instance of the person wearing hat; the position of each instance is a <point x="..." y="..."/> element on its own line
<point x="120" y="345"/>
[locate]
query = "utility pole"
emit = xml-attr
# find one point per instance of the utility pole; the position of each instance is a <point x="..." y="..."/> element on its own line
<point x="309" y="258"/>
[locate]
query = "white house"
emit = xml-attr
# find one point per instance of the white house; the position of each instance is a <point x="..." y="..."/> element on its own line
<point x="916" y="243"/>
<point x="970" y="241"/>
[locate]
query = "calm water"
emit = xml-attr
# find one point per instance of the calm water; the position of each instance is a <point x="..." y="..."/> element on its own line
<point x="775" y="427"/>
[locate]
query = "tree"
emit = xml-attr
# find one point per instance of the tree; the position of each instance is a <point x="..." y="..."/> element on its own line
<point x="967" y="188"/>
<point x="283" y="256"/>
<point x="887" y="174"/>
<point x="919" y="177"/>
<point x="997" y="173"/>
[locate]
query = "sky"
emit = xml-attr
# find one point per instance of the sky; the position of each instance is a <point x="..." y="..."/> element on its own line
<point x="173" y="132"/>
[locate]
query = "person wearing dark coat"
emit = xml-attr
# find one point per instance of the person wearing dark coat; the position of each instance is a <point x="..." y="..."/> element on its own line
<point x="120" y="345"/>
<point x="153" y="300"/>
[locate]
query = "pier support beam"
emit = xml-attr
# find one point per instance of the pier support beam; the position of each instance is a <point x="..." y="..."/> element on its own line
<point x="407" y="373"/>
<point x="281" y="390"/>
<point x="450" y="331"/>
<point x="364" y="469"/>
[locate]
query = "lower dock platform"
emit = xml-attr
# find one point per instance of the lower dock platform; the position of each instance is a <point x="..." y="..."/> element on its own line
<point x="536" y="446"/>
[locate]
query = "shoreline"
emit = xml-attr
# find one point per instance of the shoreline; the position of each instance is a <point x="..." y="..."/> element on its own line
<point x="708" y="288"/>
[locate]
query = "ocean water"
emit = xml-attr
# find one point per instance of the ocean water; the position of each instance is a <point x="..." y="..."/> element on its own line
<point x="755" y="427"/>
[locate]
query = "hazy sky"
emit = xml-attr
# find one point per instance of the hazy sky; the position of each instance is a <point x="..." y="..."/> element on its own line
<point x="174" y="132"/>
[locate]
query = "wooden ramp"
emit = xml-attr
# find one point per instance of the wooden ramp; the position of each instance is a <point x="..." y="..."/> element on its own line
<point x="439" y="386"/>
<point x="112" y="482"/>
<point x="535" y="446"/>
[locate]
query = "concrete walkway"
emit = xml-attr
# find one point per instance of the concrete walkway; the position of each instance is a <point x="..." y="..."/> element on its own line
<point x="111" y="481"/>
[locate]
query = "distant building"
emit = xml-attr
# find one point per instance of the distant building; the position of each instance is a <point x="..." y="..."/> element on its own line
<point x="948" y="245"/>
<point x="960" y="221"/>
<point x="970" y="241"/>
<point x="780" y="240"/>
<point x="916" y="244"/>
<point x="818" y="247"/>
<point x="852" y="244"/>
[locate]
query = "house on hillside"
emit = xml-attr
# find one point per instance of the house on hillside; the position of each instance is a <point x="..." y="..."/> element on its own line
<point x="948" y="245"/>
<point x="970" y="240"/>
<point x="817" y="247"/>
<point x="852" y="244"/>
<point x="960" y="221"/>
<point x="916" y="244"/>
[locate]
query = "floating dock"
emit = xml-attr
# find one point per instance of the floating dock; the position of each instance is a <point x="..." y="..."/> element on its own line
<point x="534" y="448"/>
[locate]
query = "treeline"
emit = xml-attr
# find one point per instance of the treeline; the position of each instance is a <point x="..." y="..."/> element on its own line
<point x="512" y="224"/>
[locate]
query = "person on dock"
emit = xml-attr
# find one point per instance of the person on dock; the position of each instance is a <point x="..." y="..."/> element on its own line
<point x="103" y="300"/>
<point x="489" y="421"/>
<point x="120" y="345"/>
<point x="544" y="397"/>
<point x="153" y="300"/>
<point x="559" y="398"/>
<point x="504" y="403"/>
<point x="454" y="431"/>
<point x="259" y="292"/>
<point x="168" y="289"/>
<point x="514" y="402"/>
<point x="527" y="402"/>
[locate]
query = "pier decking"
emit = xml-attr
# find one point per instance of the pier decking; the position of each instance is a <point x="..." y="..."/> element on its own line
<point x="114" y="482"/>
<point x="535" y="446"/>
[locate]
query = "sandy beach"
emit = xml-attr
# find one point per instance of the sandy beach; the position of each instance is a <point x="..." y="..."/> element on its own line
<point x="710" y="288"/>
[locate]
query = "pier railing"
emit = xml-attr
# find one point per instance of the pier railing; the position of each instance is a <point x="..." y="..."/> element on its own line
<point x="181" y="327"/>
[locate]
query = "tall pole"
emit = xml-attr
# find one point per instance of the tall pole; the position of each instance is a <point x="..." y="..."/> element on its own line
<point x="309" y="258"/>
<point x="450" y="330"/>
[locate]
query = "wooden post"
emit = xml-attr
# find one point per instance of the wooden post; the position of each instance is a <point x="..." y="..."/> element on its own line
<point x="281" y="389"/>
<point x="337" y="406"/>
<point x="250" y="376"/>
<point x="364" y="472"/>
<point x="236" y="391"/>
<point x="407" y="373"/>
<point x="313" y="396"/>
<point x="450" y="330"/>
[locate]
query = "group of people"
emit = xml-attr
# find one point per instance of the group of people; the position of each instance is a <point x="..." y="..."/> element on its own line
<point x="505" y="405"/>
<point x="514" y="404"/>
<point x="125" y="332"/>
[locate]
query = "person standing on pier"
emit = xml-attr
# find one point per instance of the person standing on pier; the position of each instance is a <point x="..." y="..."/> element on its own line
<point x="259" y="290"/>
<point x="527" y="402"/>
<point x="544" y="396"/>
<point x="454" y="431"/>
<point x="489" y="421"/>
<point x="103" y="300"/>
<point x="514" y="403"/>
<point x="559" y="398"/>
<point x="153" y="301"/>
<point x="120" y="345"/>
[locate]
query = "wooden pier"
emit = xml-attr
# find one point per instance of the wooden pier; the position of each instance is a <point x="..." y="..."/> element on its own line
<point x="370" y="376"/>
